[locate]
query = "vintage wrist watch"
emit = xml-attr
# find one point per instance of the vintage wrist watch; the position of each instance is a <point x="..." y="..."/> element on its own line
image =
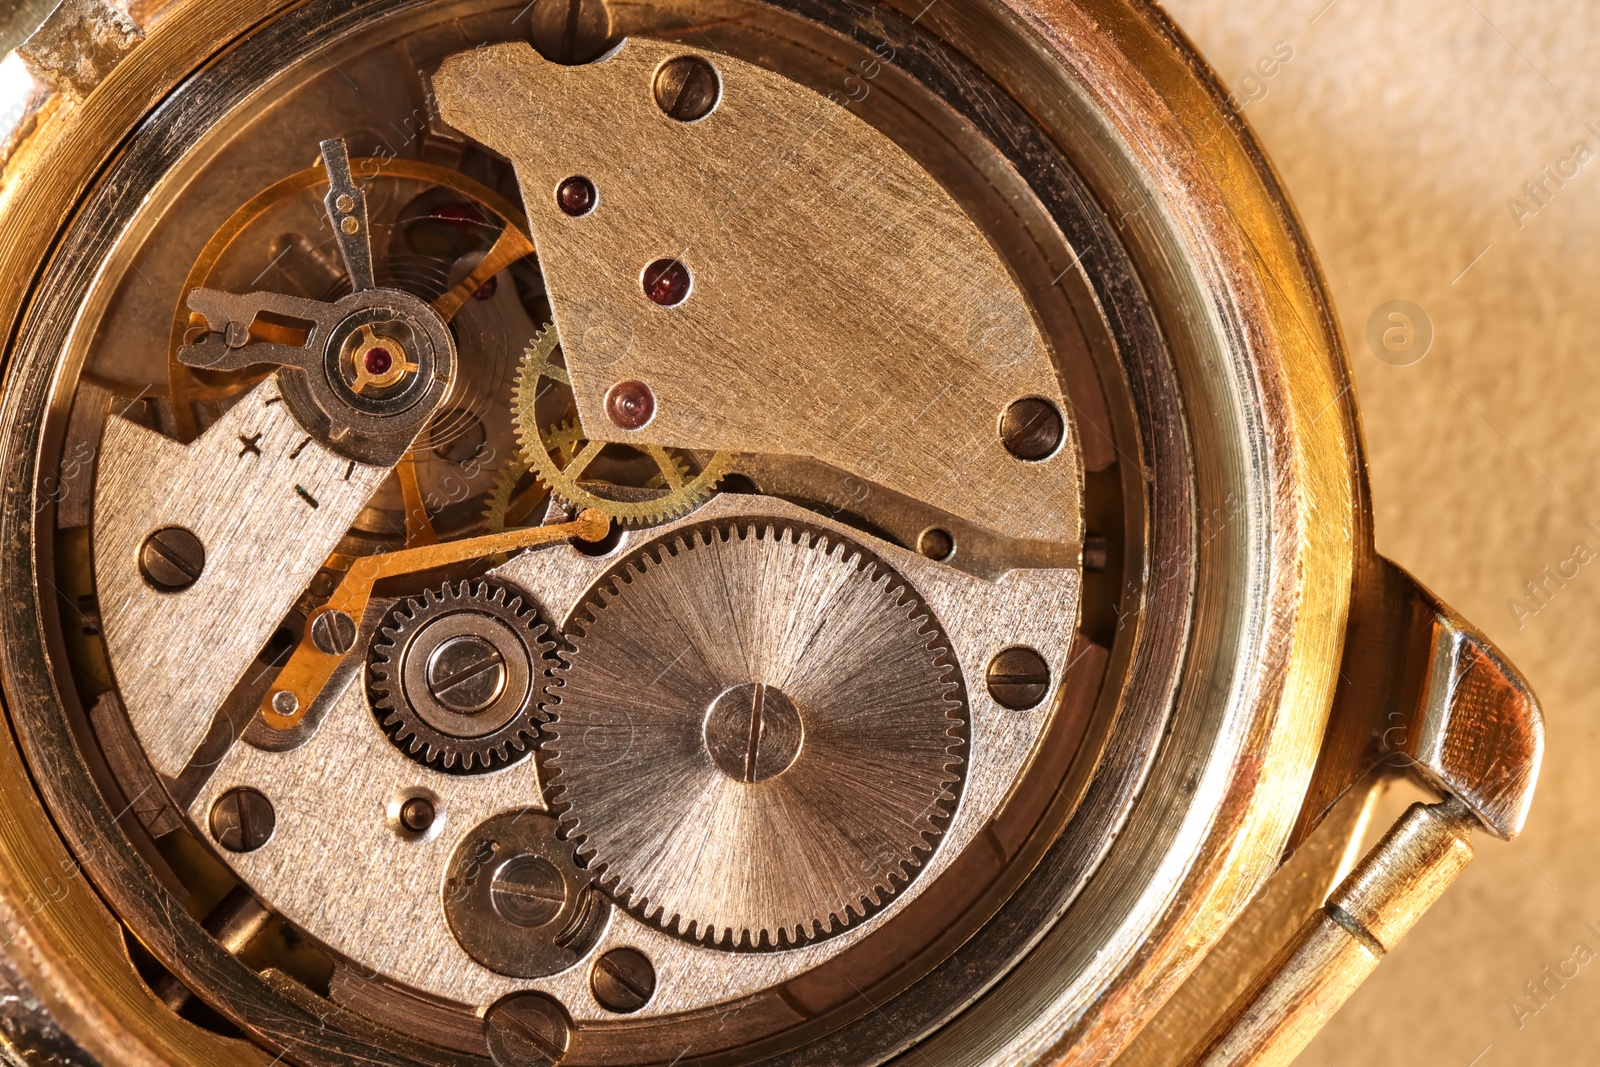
<point x="788" y="532"/>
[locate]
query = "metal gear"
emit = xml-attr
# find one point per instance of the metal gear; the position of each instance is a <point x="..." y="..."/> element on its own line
<point x="756" y="733"/>
<point x="454" y="675"/>
<point x="561" y="454"/>
<point x="497" y="504"/>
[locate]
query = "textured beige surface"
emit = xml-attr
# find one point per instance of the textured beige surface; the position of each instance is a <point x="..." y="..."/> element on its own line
<point x="1404" y="131"/>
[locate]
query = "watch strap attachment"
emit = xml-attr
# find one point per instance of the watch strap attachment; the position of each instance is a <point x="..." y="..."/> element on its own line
<point x="1343" y="942"/>
<point x="1426" y="696"/>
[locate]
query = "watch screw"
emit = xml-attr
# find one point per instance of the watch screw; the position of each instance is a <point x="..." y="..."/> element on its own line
<point x="1031" y="429"/>
<point x="527" y="891"/>
<point x="333" y="632"/>
<point x="466" y="674"/>
<point x="242" y="820"/>
<point x="687" y="88"/>
<point x="1018" y="678"/>
<point x="623" y="980"/>
<point x="527" y="1030"/>
<point x="171" y="559"/>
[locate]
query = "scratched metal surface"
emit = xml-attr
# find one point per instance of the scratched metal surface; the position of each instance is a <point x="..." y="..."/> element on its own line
<point x="1406" y="131"/>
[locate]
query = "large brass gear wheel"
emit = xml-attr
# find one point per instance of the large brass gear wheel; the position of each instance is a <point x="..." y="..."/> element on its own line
<point x="791" y="728"/>
<point x="561" y="454"/>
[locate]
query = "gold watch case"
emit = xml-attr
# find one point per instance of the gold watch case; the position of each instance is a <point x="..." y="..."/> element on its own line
<point x="1164" y="871"/>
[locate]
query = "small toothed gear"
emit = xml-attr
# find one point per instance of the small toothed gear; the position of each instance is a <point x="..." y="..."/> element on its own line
<point x="561" y="455"/>
<point x="756" y="734"/>
<point x="454" y="675"/>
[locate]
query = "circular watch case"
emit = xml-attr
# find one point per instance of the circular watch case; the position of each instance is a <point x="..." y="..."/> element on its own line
<point x="922" y="432"/>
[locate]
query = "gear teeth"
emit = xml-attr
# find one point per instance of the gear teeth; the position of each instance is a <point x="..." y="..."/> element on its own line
<point x="534" y="448"/>
<point x="498" y="501"/>
<point x="922" y="831"/>
<point x="385" y="691"/>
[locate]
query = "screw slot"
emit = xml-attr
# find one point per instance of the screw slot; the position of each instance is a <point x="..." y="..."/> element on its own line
<point x="466" y="674"/>
<point x="527" y="1030"/>
<point x="172" y="559"/>
<point x="687" y="88"/>
<point x="333" y="632"/>
<point x="1032" y="429"/>
<point x="527" y="891"/>
<point x="1018" y="678"/>
<point x="623" y="980"/>
<point x="242" y="820"/>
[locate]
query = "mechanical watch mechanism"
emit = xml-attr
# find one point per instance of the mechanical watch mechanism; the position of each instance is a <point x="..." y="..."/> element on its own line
<point x="454" y="675"/>
<point x="642" y="606"/>
<point x="824" y="695"/>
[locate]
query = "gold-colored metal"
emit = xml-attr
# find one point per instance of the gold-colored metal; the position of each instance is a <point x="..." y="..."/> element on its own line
<point x="80" y="43"/>
<point x="512" y="244"/>
<point x="562" y="455"/>
<point x="1161" y="846"/>
<point x="419" y="527"/>
<point x="1334" y="952"/>
<point x="819" y="253"/>
<point x="72" y="952"/>
<point x="309" y="667"/>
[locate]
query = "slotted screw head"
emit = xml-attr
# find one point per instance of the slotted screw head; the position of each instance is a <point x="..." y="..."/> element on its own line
<point x="527" y="891"/>
<point x="753" y="732"/>
<point x="466" y="674"/>
<point x="570" y="32"/>
<point x="623" y="980"/>
<point x="1018" y="678"/>
<point x="687" y="88"/>
<point x="527" y="1030"/>
<point x="172" y="559"/>
<point x="333" y="632"/>
<point x="242" y="820"/>
<point x="1031" y="429"/>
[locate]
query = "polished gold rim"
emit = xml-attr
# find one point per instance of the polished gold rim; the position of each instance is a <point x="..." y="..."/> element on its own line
<point x="1239" y="241"/>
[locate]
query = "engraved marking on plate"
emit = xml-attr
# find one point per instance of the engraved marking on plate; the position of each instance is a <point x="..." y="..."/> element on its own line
<point x="177" y="655"/>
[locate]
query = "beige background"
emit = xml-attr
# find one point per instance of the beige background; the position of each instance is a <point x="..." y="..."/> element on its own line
<point x="1403" y="130"/>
